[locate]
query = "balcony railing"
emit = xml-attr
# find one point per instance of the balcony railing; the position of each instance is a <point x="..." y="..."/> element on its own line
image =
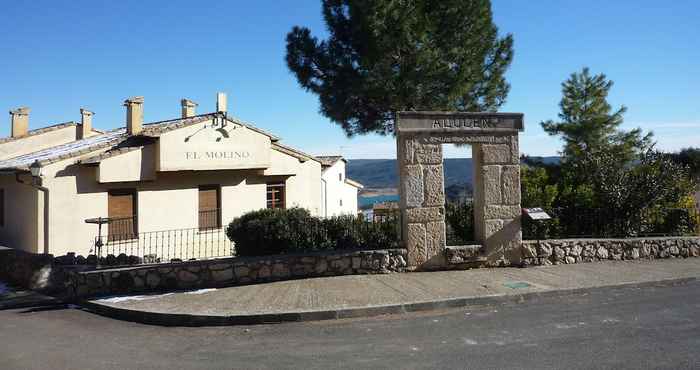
<point x="204" y="242"/>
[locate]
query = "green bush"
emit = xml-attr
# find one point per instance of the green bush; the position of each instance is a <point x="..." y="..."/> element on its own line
<point x="281" y="231"/>
<point x="459" y="218"/>
<point x="272" y="231"/>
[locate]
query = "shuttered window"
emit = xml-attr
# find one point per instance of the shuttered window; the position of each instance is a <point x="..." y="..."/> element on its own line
<point x="121" y="210"/>
<point x="275" y="195"/>
<point x="209" y="207"/>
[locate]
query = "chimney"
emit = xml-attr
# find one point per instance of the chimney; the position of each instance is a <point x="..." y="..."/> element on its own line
<point x="188" y="108"/>
<point x="85" y="127"/>
<point x="134" y="115"/>
<point x="221" y="102"/>
<point x="20" y="121"/>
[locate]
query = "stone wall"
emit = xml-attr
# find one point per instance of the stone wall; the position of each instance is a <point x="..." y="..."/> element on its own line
<point x="234" y="271"/>
<point x="547" y="252"/>
<point x="31" y="271"/>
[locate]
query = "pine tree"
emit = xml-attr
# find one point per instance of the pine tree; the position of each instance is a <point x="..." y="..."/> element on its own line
<point x="384" y="56"/>
<point x="588" y="123"/>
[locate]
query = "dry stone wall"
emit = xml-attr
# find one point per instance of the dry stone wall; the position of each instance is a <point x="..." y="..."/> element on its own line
<point x="568" y="251"/>
<point x="234" y="271"/>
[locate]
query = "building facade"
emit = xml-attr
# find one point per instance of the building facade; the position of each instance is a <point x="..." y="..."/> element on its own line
<point x="64" y="188"/>
<point x="339" y="193"/>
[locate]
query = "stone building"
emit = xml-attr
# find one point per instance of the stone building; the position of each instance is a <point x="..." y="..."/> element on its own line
<point x="193" y="174"/>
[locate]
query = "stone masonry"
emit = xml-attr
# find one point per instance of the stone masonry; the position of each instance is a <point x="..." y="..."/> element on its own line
<point x="494" y="141"/>
<point x="569" y="251"/>
<point x="233" y="271"/>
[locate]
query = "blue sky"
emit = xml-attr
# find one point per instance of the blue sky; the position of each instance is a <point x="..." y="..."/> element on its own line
<point x="59" y="56"/>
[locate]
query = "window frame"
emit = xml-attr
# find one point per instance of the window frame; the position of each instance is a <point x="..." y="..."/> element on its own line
<point x="270" y="189"/>
<point x="111" y="236"/>
<point x="207" y="227"/>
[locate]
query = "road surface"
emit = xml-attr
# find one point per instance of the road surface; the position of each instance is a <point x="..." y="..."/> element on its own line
<point x="635" y="328"/>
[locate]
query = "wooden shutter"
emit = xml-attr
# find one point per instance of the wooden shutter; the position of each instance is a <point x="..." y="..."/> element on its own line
<point x="121" y="210"/>
<point x="209" y="207"/>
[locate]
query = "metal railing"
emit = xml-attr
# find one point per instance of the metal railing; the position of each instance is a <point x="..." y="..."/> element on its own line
<point x="204" y="242"/>
<point x="209" y="219"/>
<point x="607" y="223"/>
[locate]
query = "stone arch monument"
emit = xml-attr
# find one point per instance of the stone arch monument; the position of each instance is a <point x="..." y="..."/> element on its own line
<point x="497" y="213"/>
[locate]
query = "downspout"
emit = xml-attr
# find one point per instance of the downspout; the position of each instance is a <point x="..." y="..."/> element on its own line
<point x="325" y="198"/>
<point x="36" y="183"/>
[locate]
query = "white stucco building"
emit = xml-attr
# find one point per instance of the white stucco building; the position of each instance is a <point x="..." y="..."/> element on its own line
<point x="192" y="174"/>
<point x="339" y="193"/>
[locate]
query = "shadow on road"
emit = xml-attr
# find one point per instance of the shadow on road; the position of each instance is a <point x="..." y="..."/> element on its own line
<point x="12" y="298"/>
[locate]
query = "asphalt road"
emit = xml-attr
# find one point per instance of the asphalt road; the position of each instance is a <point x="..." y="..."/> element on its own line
<point x="635" y="328"/>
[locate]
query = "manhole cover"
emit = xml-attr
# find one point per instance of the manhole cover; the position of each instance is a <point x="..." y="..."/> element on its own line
<point x="517" y="285"/>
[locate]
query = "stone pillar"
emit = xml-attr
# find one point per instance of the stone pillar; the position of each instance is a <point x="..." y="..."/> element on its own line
<point x="497" y="212"/>
<point x="422" y="193"/>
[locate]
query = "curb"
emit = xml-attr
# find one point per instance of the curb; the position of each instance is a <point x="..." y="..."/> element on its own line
<point x="188" y="320"/>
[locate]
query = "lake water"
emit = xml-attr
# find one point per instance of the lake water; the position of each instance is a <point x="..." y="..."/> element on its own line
<point x="365" y="202"/>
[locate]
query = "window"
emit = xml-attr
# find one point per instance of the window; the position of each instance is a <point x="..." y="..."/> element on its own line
<point x="341" y="202"/>
<point x="209" y="207"/>
<point x="121" y="206"/>
<point x="2" y="207"/>
<point x="340" y="177"/>
<point x="275" y="195"/>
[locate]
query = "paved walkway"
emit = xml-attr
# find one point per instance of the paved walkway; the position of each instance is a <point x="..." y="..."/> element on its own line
<point x="360" y="292"/>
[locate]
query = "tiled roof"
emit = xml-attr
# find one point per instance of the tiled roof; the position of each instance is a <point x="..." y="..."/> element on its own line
<point x="118" y="142"/>
<point x="155" y="129"/>
<point x="294" y="152"/>
<point x="329" y="160"/>
<point x="66" y="151"/>
<point x="108" y="154"/>
<point x="39" y="131"/>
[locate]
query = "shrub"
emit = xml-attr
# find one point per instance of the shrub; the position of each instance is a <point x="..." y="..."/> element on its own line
<point x="273" y="231"/>
<point x="459" y="218"/>
<point x="281" y="231"/>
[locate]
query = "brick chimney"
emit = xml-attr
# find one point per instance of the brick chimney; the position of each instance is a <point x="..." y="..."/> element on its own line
<point x="85" y="127"/>
<point x="134" y="115"/>
<point x="188" y="108"/>
<point x="20" y="121"/>
<point x="221" y="102"/>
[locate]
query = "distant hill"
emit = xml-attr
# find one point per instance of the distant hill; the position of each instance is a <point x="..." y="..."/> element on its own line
<point x="383" y="173"/>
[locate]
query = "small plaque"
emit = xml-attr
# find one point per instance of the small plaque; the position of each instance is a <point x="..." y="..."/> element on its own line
<point x="537" y="214"/>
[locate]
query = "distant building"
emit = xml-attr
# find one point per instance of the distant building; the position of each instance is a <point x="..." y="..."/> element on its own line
<point x="191" y="174"/>
<point x="385" y="211"/>
<point x="339" y="193"/>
